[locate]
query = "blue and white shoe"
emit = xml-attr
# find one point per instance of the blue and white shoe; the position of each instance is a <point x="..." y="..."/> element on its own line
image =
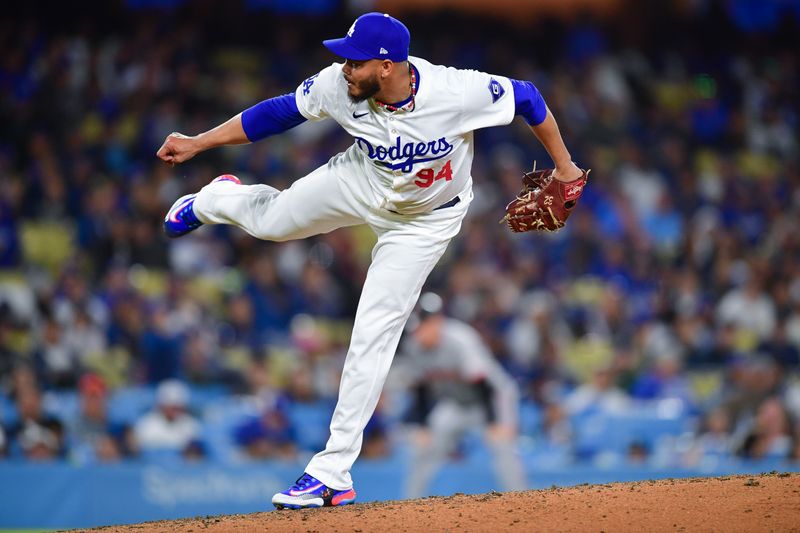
<point x="308" y="491"/>
<point x="181" y="219"/>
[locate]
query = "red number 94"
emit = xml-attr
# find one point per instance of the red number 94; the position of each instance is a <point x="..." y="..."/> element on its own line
<point x="426" y="176"/>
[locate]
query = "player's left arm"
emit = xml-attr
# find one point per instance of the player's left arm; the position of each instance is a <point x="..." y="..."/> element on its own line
<point x="490" y="100"/>
<point x="528" y="103"/>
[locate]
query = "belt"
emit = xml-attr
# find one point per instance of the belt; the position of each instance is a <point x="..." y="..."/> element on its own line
<point x="451" y="203"/>
<point x="445" y="205"/>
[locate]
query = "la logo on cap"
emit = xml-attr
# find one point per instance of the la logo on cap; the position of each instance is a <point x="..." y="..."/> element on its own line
<point x="372" y="36"/>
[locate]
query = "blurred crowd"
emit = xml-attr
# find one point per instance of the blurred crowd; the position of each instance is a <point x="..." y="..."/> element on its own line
<point x="675" y="286"/>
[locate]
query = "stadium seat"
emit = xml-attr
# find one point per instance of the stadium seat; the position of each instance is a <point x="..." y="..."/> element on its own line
<point x="8" y="412"/>
<point x="645" y="424"/>
<point x="310" y="422"/>
<point x="64" y="405"/>
<point x="220" y="420"/>
<point x="46" y="244"/>
<point x="204" y="396"/>
<point x="128" y="404"/>
<point x="530" y="418"/>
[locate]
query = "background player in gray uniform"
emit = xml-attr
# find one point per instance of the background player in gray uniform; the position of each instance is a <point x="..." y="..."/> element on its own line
<point x="407" y="176"/>
<point x="459" y="387"/>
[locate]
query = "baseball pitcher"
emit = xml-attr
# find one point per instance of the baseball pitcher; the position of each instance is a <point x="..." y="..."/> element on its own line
<point x="407" y="175"/>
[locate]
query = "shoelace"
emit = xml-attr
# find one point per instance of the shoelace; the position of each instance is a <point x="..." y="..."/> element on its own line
<point x="303" y="482"/>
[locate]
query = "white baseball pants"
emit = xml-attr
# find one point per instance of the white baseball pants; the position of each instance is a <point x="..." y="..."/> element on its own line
<point x="408" y="247"/>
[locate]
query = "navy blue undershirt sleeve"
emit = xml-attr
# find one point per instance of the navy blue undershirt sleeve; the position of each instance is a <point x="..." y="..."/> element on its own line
<point x="529" y="102"/>
<point x="271" y="116"/>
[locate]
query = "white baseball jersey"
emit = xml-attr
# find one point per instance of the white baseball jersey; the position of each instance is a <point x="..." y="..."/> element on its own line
<point x="415" y="160"/>
<point x="406" y="162"/>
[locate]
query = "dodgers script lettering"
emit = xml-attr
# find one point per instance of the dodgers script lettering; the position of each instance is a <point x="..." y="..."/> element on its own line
<point x="403" y="156"/>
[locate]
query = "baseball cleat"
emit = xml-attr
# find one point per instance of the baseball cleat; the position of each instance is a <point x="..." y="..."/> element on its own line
<point x="227" y="177"/>
<point x="181" y="219"/>
<point x="310" y="492"/>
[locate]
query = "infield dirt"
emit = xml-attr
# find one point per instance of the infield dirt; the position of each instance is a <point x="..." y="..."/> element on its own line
<point x="767" y="502"/>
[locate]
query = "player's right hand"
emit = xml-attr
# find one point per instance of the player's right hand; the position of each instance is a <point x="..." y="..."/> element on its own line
<point x="178" y="148"/>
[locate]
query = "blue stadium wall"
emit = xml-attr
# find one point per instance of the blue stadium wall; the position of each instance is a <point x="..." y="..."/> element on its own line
<point x="65" y="496"/>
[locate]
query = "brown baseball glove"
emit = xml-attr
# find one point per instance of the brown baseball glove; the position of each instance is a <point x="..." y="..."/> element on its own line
<point x="545" y="203"/>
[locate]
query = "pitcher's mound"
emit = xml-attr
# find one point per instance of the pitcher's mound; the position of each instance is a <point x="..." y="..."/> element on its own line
<point x="767" y="502"/>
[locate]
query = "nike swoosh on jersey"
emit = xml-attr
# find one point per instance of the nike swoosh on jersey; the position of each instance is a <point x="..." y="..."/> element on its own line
<point x="361" y="115"/>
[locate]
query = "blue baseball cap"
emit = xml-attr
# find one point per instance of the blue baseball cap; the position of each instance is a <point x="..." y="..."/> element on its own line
<point x="373" y="36"/>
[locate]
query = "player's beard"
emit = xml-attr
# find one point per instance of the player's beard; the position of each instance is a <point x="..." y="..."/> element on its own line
<point x="366" y="89"/>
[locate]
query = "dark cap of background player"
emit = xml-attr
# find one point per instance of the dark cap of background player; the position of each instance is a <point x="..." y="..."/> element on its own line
<point x="373" y="36"/>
